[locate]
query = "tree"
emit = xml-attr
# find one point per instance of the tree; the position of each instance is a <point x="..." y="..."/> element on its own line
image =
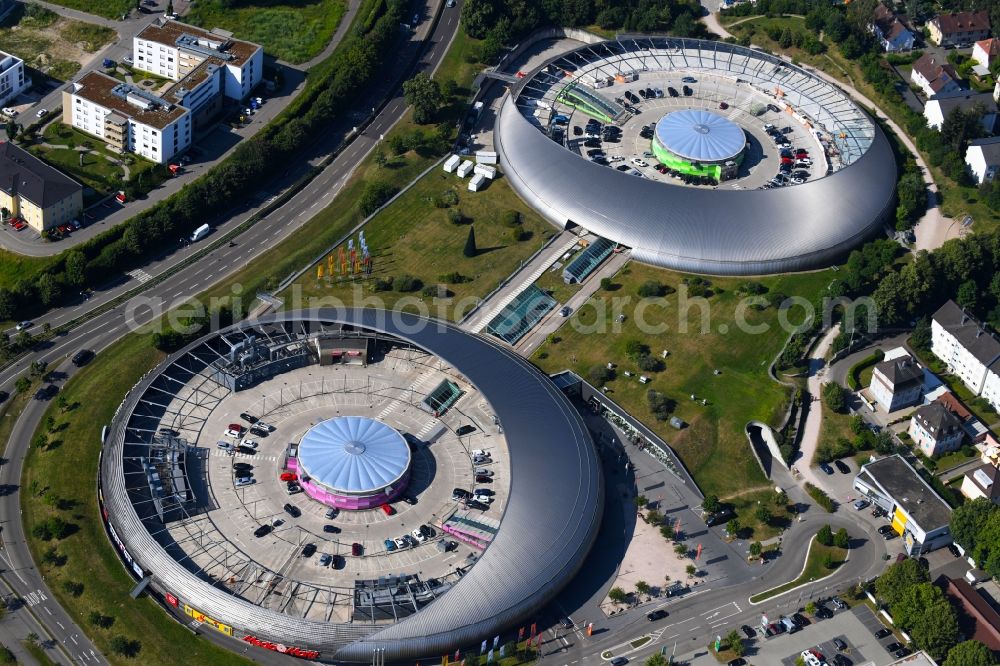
<point x="654" y="517"/>
<point x="470" y="243"/>
<point x="781" y="499"/>
<point x="923" y="611"/>
<point x="968" y="520"/>
<point x="640" y="501"/>
<point x="968" y="295"/>
<point x="424" y="94"/>
<point x="642" y="587"/>
<point x="840" y="539"/>
<point x="655" y="659"/>
<point x="711" y="504"/>
<point x="833" y="397"/>
<point x="380" y="159"/>
<point x="735" y="643"/>
<point x="600" y="375"/>
<point x="22" y="384"/>
<point x="755" y="549"/>
<point x="49" y="289"/>
<point x="811" y="607"/>
<point x="680" y="549"/>
<point x="763" y="514"/>
<point x="617" y="595"/>
<point x="651" y="289"/>
<point x="970" y="653"/>
<point x="893" y="583"/>
<point x="691" y="570"/>
<point x="478" y="16"/>
<point x="825" y="536"/>
<point x="733" y="527"/>
<point x="785" y="40"/>
<point x="607" y="284"/>
<point x="6" y="656"/>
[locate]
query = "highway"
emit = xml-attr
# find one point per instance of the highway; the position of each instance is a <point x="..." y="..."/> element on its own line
<point x="19" y="572"/>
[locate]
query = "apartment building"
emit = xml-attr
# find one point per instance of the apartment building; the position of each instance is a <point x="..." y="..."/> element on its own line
<point x="126" y="117"/>
<point x="176" y="50"/>
<point x="12" y="78"/>
<point x="971" y="352"/>
<point x="36" y="192"/>
<point x="959" y="28"/>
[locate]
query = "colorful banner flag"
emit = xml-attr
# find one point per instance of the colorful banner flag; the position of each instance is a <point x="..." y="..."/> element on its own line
<point x="319" y="271"/>
<point x="697" y="554"/>
<point x="457" y="655"/>
<point x="444" y="660"/>
<point x="590" y="629"/>
<point x="496" y="639"/>
<point x="489" y="657"/>
<point x="533" y="629"/>
<point x="482" y="648"/>
<point x="503" y="650"/>
<point x="520" y="634"/>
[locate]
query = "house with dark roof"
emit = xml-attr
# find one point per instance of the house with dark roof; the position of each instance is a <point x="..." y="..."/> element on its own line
<point x="959" y="28"/>
<point x="983" y="481"/>
<point x="934" y="75"/>
<point x="897" y="383"/>
<point x="39" y="194"/>
<point x="982" y="157"/>
<point x="890" y="31"/>
<point x="935" y="429"/>
<point x="918" y="513"/>
<point x="940" y="106"/>
<point x="971" y="352"/>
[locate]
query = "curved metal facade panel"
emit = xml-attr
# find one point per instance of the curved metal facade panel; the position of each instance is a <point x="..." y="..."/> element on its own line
<point x="723" y="232"/>
<point x="547" y="529"/>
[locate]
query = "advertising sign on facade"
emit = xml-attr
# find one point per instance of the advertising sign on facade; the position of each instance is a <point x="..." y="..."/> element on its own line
<point x="171" y="599"/>
<point x="139" y="573"/>
<point x="204" y="619"/>
<point x="283" y="649"/>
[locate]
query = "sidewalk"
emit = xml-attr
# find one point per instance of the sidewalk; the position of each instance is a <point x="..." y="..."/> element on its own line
<point x="814" y="419"/>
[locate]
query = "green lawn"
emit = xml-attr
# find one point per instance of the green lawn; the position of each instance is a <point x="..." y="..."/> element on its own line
<point x="414" y="237"/>
<point x="835" y="426"/>
<point x="953" y="459"/>
<point x="89" y="36"/>
<point x="58" y="480"/>
<point x="15" y="267"/>
<point x="292" y="30"/>
<point x="552" y="282"/>
<point x="96" y="171"/>
<point x="814" y="569"/>
<point x="751" y="528"/>
<point x="713" y="447"/>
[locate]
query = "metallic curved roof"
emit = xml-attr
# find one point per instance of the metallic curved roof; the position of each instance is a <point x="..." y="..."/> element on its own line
<point x="547" y="529"/>
<point x="725" y="232"/>
<point x="354" y="455"/>
<point x="700" y="135"/>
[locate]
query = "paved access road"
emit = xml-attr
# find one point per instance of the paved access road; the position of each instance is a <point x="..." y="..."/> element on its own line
<point x="105" y="329"/>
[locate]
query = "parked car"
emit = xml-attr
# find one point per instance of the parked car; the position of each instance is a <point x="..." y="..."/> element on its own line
<point x="324" y="559"/>
<point x="263" y="530"/>
<point x="748" y="632"/>
<point x="244" y="481"/>
<point x="331" y="513"/>
<point x="687" y="91"/>
<point x="892" y="647"/>
<point x="357" y="549"/>
<point x="387" y="509"/>
<point x="773" y="108"/>
<point x="331" y="529"/>
<point x="293" y="510"/>
<point x="249" y="418"/>
<point x="482" y="478"/>
<point x="860" y="504"/>
<point x="839" y="644"/>
<point x="390" y="545"/>
<point x="401" y="542"/>
<point x="689" y="79"/>
<point x="23" y="325"/>
<point x="954" y="550"/>
<point x="232" y="433"/>
<point x="619" y="661"/>
<point x="800" y="620"/>
<point x="672" y="92"/>
<point x="41" y="113"/>
<point x="308" y="550"/>
<point x="258" y="431"/>
<point x="418" y="536"/>
<point x="826" y="468"/>
<point x="841" y="660"/>
<point x="823" y="613"/>
<point x="409" y="499"/>
<point x="738" y="661"/>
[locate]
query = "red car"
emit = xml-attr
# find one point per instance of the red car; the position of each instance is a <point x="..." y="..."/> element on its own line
<point x="288" y="476"/>
<point x="723" y="106"/>
<point x="19" y="225"/>
<point x="388" y="510"/>
<point x="356" y="549"/>
<point x="237" y="427"/>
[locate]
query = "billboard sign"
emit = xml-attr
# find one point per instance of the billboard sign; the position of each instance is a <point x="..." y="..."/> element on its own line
<point x="281" y="648"/>
<point x="204" y="619"/>
<point x="133" y="565"/>
<point x="171" y="599"/>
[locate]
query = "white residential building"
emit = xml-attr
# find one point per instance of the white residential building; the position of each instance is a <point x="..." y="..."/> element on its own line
<point x="983" y="159"/>
<point x="12" y="79"/>
<point x="174" y="50"/>
<point x="897" y="383"/>
<point x="126" y="117"/>
<point x="986" y="51"/>
<point x="940" y="106"/>
<point x="934" y="75"/>
<point x="968" y="349"/>
<point x="935" y="430"/>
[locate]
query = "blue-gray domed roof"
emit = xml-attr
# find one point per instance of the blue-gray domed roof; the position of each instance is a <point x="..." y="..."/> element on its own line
<point x="354" y="455"/>
<point x="700" y="136"/>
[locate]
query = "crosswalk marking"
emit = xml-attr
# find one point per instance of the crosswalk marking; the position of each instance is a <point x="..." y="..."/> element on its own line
<point x="140" y="275"/>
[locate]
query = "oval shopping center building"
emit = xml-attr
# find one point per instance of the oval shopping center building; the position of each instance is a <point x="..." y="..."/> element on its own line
<point x="698" y="155"/>
<point x="304" y="483"/>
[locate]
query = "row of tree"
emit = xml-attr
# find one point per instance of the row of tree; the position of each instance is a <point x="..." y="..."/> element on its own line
<point x="504" y="22"/>
<point x="332" y="86"/>
<point x="976" y="527"/>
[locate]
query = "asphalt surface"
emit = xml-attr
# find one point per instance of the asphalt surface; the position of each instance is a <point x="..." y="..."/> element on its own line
<point x="107" y="328"/>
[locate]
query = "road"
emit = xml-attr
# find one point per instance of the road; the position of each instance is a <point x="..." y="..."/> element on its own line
<point x="106" y="328"/>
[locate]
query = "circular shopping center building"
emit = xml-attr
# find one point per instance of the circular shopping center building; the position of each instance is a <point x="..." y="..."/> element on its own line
<point x="367" y="502"/>
<point x="698" y="155"/>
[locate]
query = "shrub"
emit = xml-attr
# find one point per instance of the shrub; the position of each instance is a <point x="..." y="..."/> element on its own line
<point x="454" y="278"/>
<point x="825" y="536"/>
<point x="511" y="218"/>
<point x="406" y="283"/>
<point x="820" y="497"/>
<point x="455" y="216"/>
<point x="374" y="195"/>
<point x="649" y="363"/>
<point x="607" y="284"/>
<point x="447" y="198"/>
<point x="600" y="374"/>
<point x="652" y="289"/>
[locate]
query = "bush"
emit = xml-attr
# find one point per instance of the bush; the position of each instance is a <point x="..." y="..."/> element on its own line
<point x="825" y="536"/>
<point x="125" y="647"/>
<point x="652" y="289"/>
<point x="660" y="405"/>
<point x="607" y="284"/>
<point x="406" y="283"/>
<point x="820" y="497"/>
<point x="454" y="278"/>
<point x="448" y="198"/>
<point x="511" y="218"/>
<point x="649" y="363"/>
<point x="833" y="397"/>
<point x="520" y="234"/>
<point x="374" y="195"/>
<point x="600" y="375"/>
<point x="455" y="216"/>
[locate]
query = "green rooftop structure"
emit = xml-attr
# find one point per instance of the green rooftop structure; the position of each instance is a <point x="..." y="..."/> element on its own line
<point x="443" y="397"/>
<point x="520" y="315"/>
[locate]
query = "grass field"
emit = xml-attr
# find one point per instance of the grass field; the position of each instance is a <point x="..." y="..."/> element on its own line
<point x="55" y="487"/>
<point x="15" y="267"/>
<point x="751" y="528"/>
<point x="834" y="427"/>
<point x="413" y="237"/>
<point x="713" y="447"/>
<point x="50" y="43"/>
<point x="814" y="569"/>
<point x="291" y="30"/>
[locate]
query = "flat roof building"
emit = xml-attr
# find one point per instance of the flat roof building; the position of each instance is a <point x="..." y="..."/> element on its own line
<point x="126" y="117"/>
<point x="41" y="195"/>
<point x="174" y="50"/>
<point x="12" y="78"/>
<point x="918" y="513"/>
